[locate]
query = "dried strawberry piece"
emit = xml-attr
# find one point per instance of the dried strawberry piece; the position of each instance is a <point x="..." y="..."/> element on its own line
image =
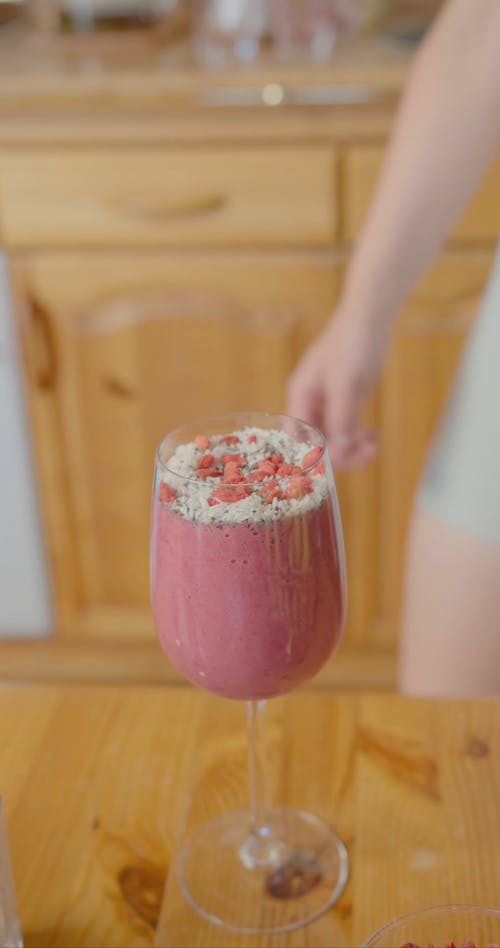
<point x="319" y="468"/>
<point x="266" y="466"/>
<point x="272" y="495"/>
<point x="277" y="459"/>
<point x="231" y="494"/>
<point x="166" y="493"/>
<point x="212" y="501"/>
<point x="468" y="944"/>
<point x="232" y="477"/>
<point x="286" y="469"/>
<point x="449" y="944"/>
<point x="238" y="459"/>
<point x="255" y="476"/>
<point x="297" y="487"/>
<point x="232" y="473"/>
<point x="230" y="439"/>
<point x="313" y="455"/>
<point x="270" y="487"/>
<point x="206" y="460"/>
<point x="252" y="439"/>
<point x="205" y="472"/>
<point x="269" y="491"/>
<point x="202" y="442"/>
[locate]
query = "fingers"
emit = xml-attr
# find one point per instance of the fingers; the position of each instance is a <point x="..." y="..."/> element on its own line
<point x="307" y="405"/>
<point x="330" y="396"/>
<point x="305" y="394"/>
<point x="352" y="450"/>
<point x="349" y="445"/>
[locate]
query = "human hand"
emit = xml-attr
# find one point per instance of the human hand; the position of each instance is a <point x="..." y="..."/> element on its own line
<point x="330" y="383"/>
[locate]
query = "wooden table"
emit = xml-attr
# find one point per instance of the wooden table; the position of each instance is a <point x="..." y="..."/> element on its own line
<point x="100" y="784"/>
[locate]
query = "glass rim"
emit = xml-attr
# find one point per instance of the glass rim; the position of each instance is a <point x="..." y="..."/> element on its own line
<point x="429" y="910"/>
<point x="211" y="418"/>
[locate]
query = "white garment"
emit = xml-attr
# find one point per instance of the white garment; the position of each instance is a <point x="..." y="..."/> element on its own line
<point x="461" y="480"/>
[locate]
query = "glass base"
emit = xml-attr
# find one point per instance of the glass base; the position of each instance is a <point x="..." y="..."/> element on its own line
<point x="275" y="881"/>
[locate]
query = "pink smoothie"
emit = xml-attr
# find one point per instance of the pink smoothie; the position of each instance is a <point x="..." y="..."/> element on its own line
<point x="247" y="610"/>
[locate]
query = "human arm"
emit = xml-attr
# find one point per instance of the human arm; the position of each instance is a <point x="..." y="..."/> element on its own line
<point x="445" y="136"/>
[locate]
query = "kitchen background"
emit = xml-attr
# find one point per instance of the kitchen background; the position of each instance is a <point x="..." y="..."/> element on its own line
<point x="180" y="187"/>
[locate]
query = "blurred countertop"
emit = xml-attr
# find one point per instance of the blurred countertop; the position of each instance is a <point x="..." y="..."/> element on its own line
<point x="42" y="97"/>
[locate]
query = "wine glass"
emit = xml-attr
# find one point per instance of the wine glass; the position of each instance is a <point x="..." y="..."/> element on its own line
<point x="248" y="593"/>
<point x="465" y="926"/>
<point x="10" y="932"/>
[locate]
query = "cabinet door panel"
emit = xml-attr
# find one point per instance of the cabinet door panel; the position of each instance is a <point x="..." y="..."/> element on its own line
<point x="119" y="349"/>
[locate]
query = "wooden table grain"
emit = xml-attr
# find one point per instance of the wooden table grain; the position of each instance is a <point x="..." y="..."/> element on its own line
<point x="101" y="784"/>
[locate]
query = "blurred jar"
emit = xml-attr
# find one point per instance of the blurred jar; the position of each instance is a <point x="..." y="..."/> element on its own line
<point x="10" y="11"/>
<point x="100" y="25"/>
<point x="99" y="15"/>
<point x="228" y="30"/>
<point x="311" y="28"/>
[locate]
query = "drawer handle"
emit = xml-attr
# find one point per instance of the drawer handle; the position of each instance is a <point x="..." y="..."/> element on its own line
<point x="45" y="361"/>
<point x="273" y="95"/>
<point x="150" y="207"/>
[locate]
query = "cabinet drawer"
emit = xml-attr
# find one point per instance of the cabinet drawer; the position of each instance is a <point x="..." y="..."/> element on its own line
<point x="179" y="196"/>
<point x="479" y="222"/>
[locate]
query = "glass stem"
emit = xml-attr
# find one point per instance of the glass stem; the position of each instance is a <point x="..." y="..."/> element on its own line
<point x="262" y="849"/>
<point x="257" y="765"/>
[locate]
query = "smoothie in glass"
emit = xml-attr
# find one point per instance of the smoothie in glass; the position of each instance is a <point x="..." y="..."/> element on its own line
<point x="247" y="585"/>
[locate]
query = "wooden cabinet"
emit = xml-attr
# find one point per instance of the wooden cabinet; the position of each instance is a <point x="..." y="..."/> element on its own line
<point x="168" y="266"/>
